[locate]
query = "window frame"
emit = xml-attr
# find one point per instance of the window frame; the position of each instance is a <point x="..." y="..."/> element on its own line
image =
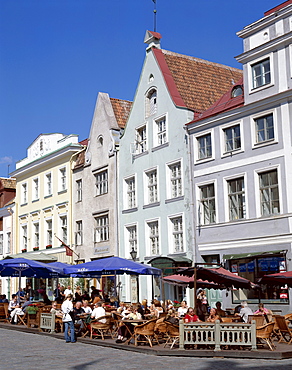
<point x="179" y="181"/>
<point x="196" y="137"/>
<point x="62" y="179"/>
<point x="49" y="184"/>
<point x="278" y="186"/>
<point x="24" y="238"/>
<point x="201" y="208"/>
<point x="131" y="242"/>
<point x="36" y="189"/>
<point x="79" y="190"/>
<point x="156" y="236"/>
<point x="151" y="187"/>
<point x="253" y="118"/>
<point x="101" y="182"/>
<point x="174" y="233"/>
<point x="251" y="64"/>
<point x="148" y="96"/>
<point x="79" y="232"/>
<point x="101" y="231"/>
<point x="24" y="193"/>
<point x="130" y="195"/>
<point x="49" y="231"/>
<point x="157" y="133"/>
<point x="141" y="143"/>
<point x="64" y="227"/>
<point x="36" y="234"/>
<point x="236" y="194"/>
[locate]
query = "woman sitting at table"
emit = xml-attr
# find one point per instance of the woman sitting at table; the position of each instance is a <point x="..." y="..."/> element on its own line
<point x="127" y="328"/>
<point x="219" y="310"/>
<point x="190" y="316"/>
<point x="262" y="311"/>
<point x="213" y="316"/>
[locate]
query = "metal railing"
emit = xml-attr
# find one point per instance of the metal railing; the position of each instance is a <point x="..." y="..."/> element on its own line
<point x="217" y="334"/>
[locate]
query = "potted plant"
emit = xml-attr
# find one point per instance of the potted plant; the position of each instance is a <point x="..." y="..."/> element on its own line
<point x="23" y="250"/>
<point x="35" y="248"/>
<point x="49" y="246"/>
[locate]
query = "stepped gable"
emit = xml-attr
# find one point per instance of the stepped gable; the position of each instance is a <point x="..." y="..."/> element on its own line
<point x="227" y="102"/>
<point x="192" y="82"/>
<point x="121" y="110"/>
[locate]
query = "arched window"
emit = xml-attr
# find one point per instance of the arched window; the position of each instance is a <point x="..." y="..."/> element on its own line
<point x="151" y="102"/>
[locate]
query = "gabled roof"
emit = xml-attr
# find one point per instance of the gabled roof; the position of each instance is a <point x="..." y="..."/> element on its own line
<point x="225" y="103"/>
<point x="84" y="142"/>
<point x="278" y="7"/>
<point x="194" y="83"/>
<point x="7" y="183"/>
<point x="121" y="110"/>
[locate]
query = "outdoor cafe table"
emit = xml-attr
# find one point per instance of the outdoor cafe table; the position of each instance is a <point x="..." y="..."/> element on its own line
<point x="130" y="328"/>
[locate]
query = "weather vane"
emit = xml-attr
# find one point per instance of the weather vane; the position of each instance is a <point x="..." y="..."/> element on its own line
<point x="155" y="13"/>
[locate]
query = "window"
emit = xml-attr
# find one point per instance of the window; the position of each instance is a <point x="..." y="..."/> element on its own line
<point x="236" y="199"/>
<point x="207" y="200"/>
<point x="24" y="237"/>
<point x="78" y="233"/>
<point x="152" y="186"/>
<point x="36" y="189"/>
<point x="36" y="235"/>
<point x="24" y="193"/>
<point x="62" y="179"/>
<point x="205" y="146"/>
<point x="237" y="91"/>
<point x="64" y="231"/>
<point x="48" y="184"/>
<point x="151" y="103"/>
<point x="132" y="237"/>
<point x="1" y="243"/>
<point x="175" y="180"/>
<point x="101" y="182"/>
<point x="79" y="190"/>
<point x="49" y="232"/>
<point x="101" y="229"/>
<point x="8" y="243"/>
<point x="261" y="73"/>
<point x="141" y="140"/>
<point x="264" y="128"/>
<point x="154" y="237"/>
<point x="1" y="223"/>
<point x="232" y="138"/>
<point x="177" y="234"/>
<point x="131" y="193"/>
<point x="269" y="193"/>
<point x="161" y="131"/>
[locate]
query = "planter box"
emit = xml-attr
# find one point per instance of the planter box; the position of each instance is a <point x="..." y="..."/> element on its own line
<point x="23" y="250"/>
<point x="48" y="247"/>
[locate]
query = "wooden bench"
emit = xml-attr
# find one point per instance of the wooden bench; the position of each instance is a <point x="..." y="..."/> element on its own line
<point x="4" y="312"/>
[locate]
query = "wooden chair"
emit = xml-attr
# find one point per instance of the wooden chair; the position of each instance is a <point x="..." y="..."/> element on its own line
<point x="99" y="328"/>
<point x="160" y="328"/>
<point x="265" y="333"/>
<point x="259" y="319"/>
<point x="4" y="314"/>
<point x="283" y="329"/>
<point x="117" y="321"/>
<point x="288" y="317"/>
<point x="226" y="319"/>
<point x="173" y="335"/>
<point x="144" y="333"/>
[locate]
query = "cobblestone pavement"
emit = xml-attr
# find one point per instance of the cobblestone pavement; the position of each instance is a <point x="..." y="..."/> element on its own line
<point x="23" y="351"/>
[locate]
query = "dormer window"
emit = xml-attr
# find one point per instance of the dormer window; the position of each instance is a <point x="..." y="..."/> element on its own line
<point x="151" y="102"/>
<point x="261" y="73"/>
<point x="237" y="91"/>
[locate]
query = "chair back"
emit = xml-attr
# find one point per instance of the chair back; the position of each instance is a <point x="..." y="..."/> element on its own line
<point x="226" y="319"/>
<point x="265" y="331"/>
<point x="259" y="319"/>
<point x="172" y="330"/>
<point x="282" y="323"/>
<point x="147" y="327"/>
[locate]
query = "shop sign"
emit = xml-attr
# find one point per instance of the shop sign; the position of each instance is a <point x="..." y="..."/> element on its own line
<point x="250" y="266"/>
<point x="101" y="250"/>
<point x="242" y="267"/>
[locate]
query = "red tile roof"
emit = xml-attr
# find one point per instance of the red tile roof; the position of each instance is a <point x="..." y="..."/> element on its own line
<point x="84" y="142"/>
<point x="122" y="110"/>
<point x="278" y="7"/>
<point x="225" y="103"/>
<point x="192" y="82"/>
<point x="157" y="35"/>
<point x="7" y="183"/>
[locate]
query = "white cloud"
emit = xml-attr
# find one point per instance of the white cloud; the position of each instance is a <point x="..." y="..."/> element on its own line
<point x="6" y="160"/>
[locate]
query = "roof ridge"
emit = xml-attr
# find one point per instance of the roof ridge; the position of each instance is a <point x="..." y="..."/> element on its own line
<point x="129" y="101"/>
<point x="168" y="52"/>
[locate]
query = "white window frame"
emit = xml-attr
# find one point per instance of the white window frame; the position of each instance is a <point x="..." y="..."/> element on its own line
<point x="227" y="150"/>
<point x="36" y="189"/>
<point x="156" y="238"/>
<point x="49" y="231"/>
<point x="101" y="229"/>
<point x="250" y="65"/>
<point x="63" y="219"/>
<point x="160" y="137"/>
<point x="236" y="194"/>
<point x="258" y="192"/>
<point x="196" y="138"/>
<point x="173" y="234"/>
<point x="24" y="238"/>
<point x="8" y="250"/>
<point x="131" y="240"/>
<point x="62" y="179"/>
<point x="200" y="210"/>
<point x="170" y="180"/>
<point x="79" y="190"/>
<point x="1" y="243"/>
<point x="253" y="119"/>
<point x="36" y="234"/>
<point x="151" y="193"/>
<point x="141" y="142"/>
<point x="48" y="184"/>
<point x="24" y="193"/>
<point x="101" y="182"/>
<point x="130" y="194"/>
<point x="79" y="232"/>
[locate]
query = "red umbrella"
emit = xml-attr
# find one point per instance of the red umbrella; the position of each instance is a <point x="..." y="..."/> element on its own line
<point x="280" y="278"/>
<point x="189" y="281"/>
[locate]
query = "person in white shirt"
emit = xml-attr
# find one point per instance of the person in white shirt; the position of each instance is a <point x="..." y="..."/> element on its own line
<point x="245" y="311"/>
<point x="183" y="309"/>
<point x="87" y="309"/>
<point x="98" y="312"/>
<point x="67" y="306"/>
<point x="68" y="291"/>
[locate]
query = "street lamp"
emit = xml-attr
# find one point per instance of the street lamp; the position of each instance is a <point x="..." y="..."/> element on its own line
<point x="133" y="254"/>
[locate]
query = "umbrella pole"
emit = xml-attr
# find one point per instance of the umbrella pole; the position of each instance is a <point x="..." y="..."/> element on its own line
<point x="19" y="285"/>
<point x="195" y="289"/>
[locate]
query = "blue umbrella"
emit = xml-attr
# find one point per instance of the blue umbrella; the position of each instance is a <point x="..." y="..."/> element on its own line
<point x="19" y="267"/>
<point x="110" y="266"/>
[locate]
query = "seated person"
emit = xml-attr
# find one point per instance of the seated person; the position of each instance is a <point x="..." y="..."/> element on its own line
<point x="219" y="311"/>
<point x="244" y="312"/>
<point x="157" y="309"/>
<point x="190" y="316"/>
<point x="172" y="317"/>
<point x="14" y="309"/>
<point x="98" y="311"/>
<point x="54" y="309"/>
<point x="87" y="309"/>
<point x="13" y="303"/>
<point x="121" y="308"/>
<point x="127" y="328"/>
<point x="78" y="311"/>
<point x="213" y="316"/>
<point x="25" y="304"/>
<point x="4" y="299"/>
<point x="183" y="309"/>
<point x="262" y="310"/>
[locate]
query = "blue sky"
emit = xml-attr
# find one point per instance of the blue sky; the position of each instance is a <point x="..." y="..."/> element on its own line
<point x="56" y="55"/>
